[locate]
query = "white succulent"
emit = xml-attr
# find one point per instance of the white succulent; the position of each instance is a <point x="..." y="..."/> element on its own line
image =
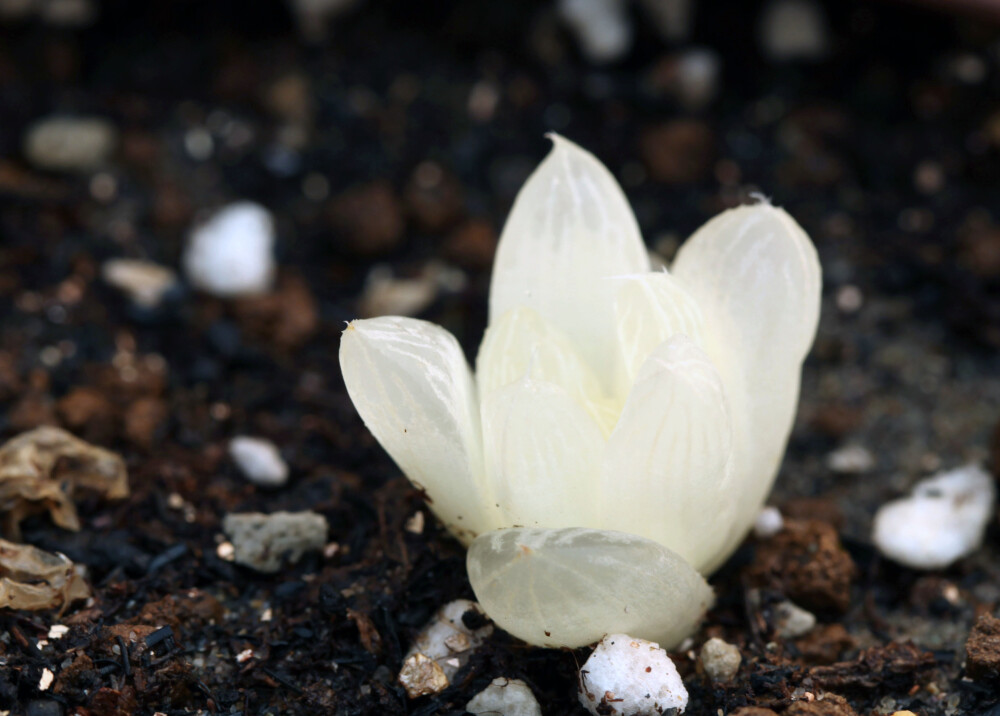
<point x="608" y="398"/>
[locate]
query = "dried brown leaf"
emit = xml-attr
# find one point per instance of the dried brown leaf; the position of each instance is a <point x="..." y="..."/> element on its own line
<point x="41" y="471"/>
<point x="31" y="578"/>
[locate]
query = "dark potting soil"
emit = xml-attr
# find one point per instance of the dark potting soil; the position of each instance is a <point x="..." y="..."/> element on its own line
<point x="402" y="138"/>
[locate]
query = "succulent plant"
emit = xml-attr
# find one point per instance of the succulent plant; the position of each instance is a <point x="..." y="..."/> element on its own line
<point x="623" y="426"/>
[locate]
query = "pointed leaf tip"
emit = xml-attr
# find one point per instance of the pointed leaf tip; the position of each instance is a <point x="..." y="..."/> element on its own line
<point x="570" y="226"/>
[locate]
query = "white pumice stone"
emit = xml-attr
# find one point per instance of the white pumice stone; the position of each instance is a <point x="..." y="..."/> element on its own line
<point x="850" y="460"/>
<point x="792" y="621"/>
<point x="505" y="697"/>
<point x="601" y="27"/>
<point x="70" y="144"/>
<point x="626" y="676"/>
<point x="259" y="461"/>
<point x="232" y="254"/>
<point x="447" y="636"/>
<point x="942" y="520"/>
<point x="144" y="282"/>
<point x="442" y="647"/>
<point x="769" y="522"/>
<point x="266" y="542"/>
<point x="698" y="77"/>
<point x="720" y="660"/>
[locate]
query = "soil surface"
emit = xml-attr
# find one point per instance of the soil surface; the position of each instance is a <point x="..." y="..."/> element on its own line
<point x="401" y="139"/>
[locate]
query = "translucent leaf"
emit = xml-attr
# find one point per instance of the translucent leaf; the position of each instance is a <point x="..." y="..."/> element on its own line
<point x="543" y="454"/>
<point x="667" y="466"/>
<point x="570" y="587"/>
<point x="756" y="277"/>
<point x="411" y="385"/>
<point x="569" y="230"/>
<point x="649" y="309"/>
<point x="523" y="344"/>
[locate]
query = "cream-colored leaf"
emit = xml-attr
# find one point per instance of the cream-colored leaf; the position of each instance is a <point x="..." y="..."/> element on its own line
<point x="668" y="461"/>
<point x="570" y="229"/>
<point x="523" y="344"/>
<point x="411" y="385"/>
<point x="649" y="309"/>
<point x="756" y="277"/>
<point x="543" y="455"/>
<point x="570" y="587"/>
<point x="755" y="274"/>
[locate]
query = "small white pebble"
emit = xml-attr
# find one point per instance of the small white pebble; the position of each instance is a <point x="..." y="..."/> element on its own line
<point x="447" y="640"/>
<point x="769" y="522"/>
<point x="626" y="676"/>
<point x="850" y="460"/>
<point x="505" y="697"/>
<point x="232" y="254"/>
<point x="942" y="520"/>
<point x="415" y="525"/>
<point x="792" y="621"/>
<point x="244" y="656"/>
<point x="850" y="299"/>
<point x="259" y="461"/>
<point x="46" y="680"/>
<point x="57" y="631"/>
<point x="602" y="27"/>
<point x="698" y="77"/>
<point x="144" y="282"/>
<point x="70" y="144"/>
<point x="794" y="30"/>
<point x="720" y="660"/>
<point x="386" y="295"/>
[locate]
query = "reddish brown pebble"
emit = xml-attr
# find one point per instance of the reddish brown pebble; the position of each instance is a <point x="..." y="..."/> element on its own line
<point x="824" y="705"/>
<point x="143" y="420"/>
<point x="678" y="152"/>
<point x="824" y="645"/>
<point x="980" y="252"/>
<point x="836" y="419"/>
<point x="87" y="412"/>
<point x="434" y="198"/>
<point x="472" y="245"/>
<point x="813" y="508"/>
<point x="806" y="563"/>
<point x="286" y="318"/>
<point x="31" y="411"/>
<point x="369" y="219"/>
<point x="982" y="650"/>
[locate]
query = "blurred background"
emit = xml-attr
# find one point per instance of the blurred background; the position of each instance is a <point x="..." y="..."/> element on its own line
<point x="382" y="143"/>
